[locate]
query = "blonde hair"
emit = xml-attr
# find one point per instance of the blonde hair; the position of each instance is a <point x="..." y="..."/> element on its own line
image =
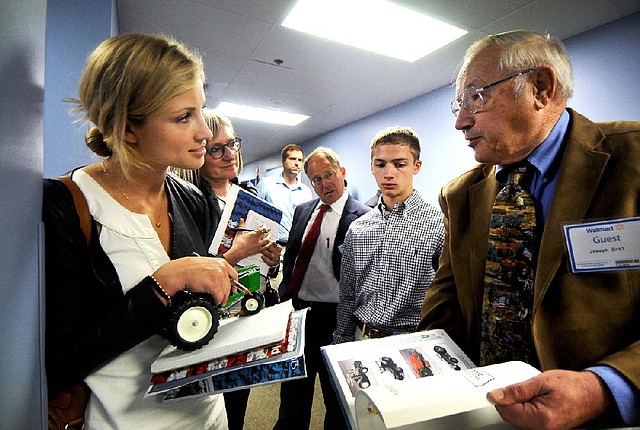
<point x="127" y="78"/>
<point x="404" y="136"/>
<point x="214" y="121"/>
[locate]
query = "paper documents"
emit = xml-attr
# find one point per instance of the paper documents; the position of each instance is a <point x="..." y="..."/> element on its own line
<point x="413" y="380"/>
<point x="419" y="403"/>
<point x="267" y="364"/>
<point x="235" y="335"/>
<point x="255" y="212"/>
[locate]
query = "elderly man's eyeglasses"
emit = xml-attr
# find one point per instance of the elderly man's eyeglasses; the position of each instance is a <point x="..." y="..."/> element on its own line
<point x="217" y="151"/>
<point x="471" y="98"/>
<point x="317" y="181"/>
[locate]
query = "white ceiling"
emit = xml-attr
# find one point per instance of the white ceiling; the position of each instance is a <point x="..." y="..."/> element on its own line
<point x="334" y="84"/>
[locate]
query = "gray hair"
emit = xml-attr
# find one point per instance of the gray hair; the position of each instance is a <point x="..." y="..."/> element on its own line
<point x="521" y="50"/>
<point x="327" y="153"/>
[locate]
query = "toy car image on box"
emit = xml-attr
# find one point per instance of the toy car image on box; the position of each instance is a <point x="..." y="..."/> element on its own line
<point x="194" y="318"/>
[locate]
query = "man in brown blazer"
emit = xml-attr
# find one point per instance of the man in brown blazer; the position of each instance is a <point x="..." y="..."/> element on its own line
<point x="511" y="96"/>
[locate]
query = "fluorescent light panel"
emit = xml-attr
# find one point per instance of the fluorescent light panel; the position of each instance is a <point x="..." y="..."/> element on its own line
<point x="260" y="114"/>
<point x="374" y="25"/>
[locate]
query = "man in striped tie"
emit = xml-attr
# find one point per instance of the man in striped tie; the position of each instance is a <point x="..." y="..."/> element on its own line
<point x="311" y="276"/>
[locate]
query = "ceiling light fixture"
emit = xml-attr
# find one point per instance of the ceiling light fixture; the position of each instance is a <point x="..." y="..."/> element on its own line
<point x="260" y="114"/>
<point x="374" y="25"/>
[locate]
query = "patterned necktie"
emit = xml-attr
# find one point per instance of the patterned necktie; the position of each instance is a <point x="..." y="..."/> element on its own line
<point x="508" y="282"/>
<point x="304" y="255"/>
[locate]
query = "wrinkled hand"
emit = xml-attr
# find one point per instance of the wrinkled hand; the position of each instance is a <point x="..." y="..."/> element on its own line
<point x="555" y="399"/>
<point x="248" y="243"/>
<point x="271" y="255"/>
<point x="197" y="274"/>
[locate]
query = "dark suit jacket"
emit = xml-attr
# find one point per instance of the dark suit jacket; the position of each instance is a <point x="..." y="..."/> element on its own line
<point x="353" y="209"/>
<point x="579" y="320"/>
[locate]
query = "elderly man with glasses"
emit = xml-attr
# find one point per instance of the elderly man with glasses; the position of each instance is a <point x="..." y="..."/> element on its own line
<point x="580" y="320"/>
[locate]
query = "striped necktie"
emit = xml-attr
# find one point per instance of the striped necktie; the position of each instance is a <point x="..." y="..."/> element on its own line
<point x="305" y="253"/>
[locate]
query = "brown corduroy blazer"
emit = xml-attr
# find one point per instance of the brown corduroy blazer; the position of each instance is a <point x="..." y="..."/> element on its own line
<point x="579" y="320"/>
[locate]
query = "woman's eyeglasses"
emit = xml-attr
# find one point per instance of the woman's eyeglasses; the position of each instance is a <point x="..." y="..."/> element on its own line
<point x="217" y="151"/>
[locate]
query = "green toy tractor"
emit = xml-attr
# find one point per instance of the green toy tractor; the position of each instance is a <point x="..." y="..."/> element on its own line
<point x="194" y="317"/>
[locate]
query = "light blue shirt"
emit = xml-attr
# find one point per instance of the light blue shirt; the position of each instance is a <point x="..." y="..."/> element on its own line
<point x="546" y="159"/>
<point x="285" y="197"/>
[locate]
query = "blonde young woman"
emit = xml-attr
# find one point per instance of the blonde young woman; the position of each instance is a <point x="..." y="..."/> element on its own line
<point x="106" y="302"/>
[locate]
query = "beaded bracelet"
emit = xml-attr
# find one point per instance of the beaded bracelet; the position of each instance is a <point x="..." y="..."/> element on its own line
<point x="156" y="286"/>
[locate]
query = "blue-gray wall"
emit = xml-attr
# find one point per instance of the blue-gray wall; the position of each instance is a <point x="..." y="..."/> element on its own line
<point x="74" y="29"/>
<point x="606" y="64"/>
<point x="43" y="47"/>
<point x="22" y="44"/>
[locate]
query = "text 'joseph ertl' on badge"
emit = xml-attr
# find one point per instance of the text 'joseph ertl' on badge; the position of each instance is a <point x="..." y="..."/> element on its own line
<point x="603" y="245"/>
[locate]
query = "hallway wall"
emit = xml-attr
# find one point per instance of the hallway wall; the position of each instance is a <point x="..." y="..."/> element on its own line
<point x="22" y="45"/>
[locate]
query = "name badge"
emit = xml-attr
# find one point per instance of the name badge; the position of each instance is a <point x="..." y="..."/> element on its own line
<point x="603" y="245"/>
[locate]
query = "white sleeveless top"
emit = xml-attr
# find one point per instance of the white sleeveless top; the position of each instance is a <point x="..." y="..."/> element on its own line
<point x="118" y="388"/>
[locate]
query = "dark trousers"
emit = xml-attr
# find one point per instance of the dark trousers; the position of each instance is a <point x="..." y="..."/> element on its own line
<point x="235" y="403"/>
<point x="296" y="397"/>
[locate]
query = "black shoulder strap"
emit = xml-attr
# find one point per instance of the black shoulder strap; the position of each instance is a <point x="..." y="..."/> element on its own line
<point x="82" y="207"/>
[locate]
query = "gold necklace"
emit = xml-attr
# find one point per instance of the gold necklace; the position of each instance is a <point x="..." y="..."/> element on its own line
<point x="157" y="222"/>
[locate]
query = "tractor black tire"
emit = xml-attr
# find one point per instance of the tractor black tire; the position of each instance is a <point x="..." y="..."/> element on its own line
<point x="193" y="320"/>
<point x="252" y="304"/>
<point x="271" y="296"/>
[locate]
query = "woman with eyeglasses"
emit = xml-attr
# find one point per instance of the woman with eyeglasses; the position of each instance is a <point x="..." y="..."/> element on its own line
<point x="222" y="166"/>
